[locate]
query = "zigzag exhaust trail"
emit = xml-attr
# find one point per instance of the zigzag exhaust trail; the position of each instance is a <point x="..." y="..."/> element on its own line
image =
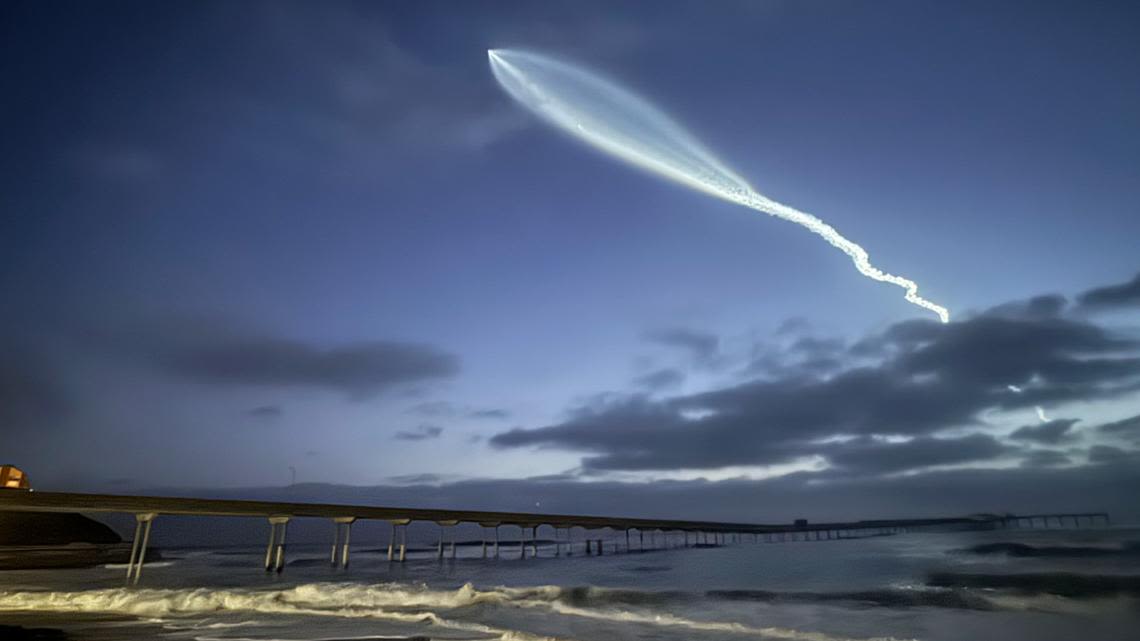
<point x="618" y="122"/>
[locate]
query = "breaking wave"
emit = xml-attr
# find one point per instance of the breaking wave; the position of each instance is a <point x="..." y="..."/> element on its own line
<point x="395" y="602"/>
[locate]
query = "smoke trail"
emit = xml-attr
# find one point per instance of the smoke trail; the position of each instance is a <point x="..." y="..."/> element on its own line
<point x="618" y="122"/>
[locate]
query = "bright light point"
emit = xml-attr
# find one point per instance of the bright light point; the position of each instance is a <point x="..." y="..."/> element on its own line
<point x="622" y="124"/>
<point x="1041" y="414"/>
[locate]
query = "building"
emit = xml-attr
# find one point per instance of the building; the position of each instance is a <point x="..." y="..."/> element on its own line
<point x="13" y="478"/>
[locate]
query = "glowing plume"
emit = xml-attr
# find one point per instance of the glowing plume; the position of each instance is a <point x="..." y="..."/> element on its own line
<point x="624" y="125"/>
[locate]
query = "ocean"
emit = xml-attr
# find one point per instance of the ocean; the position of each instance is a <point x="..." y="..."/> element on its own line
<point x="1014" y="585"/>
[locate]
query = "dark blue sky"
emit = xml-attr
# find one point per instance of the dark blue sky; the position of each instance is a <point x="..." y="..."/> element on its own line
<point x="319" y="235"/>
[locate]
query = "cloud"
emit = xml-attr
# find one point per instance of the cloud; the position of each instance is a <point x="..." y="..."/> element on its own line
<point x="806" y="357"/>
<point x="813" y="346"/>
<point x="793" y="326"/>
<point x="420" y="433"/>
<point x="444" y="409"/>
<point x="660" y="379"/>
<point x="1045" y="458"/>
<point x="416" y="479"/>
<point x="218" y="353"/>
<point x="1125" y="427"/>
<point x="1107" y="454"/>
<point x="1050" y="433"/>
<point x="434" y="409"/>
<point x="925" y="378"/>
<point x="490" y="413"/>
<point x="701" y="347"/>
<point x="266" y="412"/>
<point x="1112" y="296"/>
<point x="874" y="457"/>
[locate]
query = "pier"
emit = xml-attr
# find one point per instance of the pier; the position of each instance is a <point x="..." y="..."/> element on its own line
<point x="661" y="532"/>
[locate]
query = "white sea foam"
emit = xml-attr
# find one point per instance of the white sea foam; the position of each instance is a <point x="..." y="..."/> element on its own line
<point x="670" y="620"/>
<point x="415" y="604"/>
<point x="149" y="564"/>
<point x="392" y="602"/>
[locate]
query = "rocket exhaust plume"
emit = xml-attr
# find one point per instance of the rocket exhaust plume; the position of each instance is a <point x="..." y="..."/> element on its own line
<point x="620" y="123"/>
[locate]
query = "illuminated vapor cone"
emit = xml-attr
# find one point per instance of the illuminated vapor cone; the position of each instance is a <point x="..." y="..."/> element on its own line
<point x="620" y="123"/>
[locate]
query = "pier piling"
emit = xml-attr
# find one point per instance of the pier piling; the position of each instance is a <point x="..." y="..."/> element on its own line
<point x="143" y="523"/>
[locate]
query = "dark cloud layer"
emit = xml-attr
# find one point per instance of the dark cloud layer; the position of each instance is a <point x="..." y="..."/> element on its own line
<point x="660" y="379"/>
<point x="444" y="409"/>
<point x="700" y="346"/>
<point x="868" y="456"/>
<point x="266" y="412"/>
<point x="1125" y="427"/>
<point x="1107" y="454"/>
<point x="1045" y="458"/>
<point x="1112" y="296"/>
<point x="490" y="413"/>
<point x="215" y="353"/>
<point x="421" y="433"/>
<point x="1050" y="432"/>
<point x="926" y="377"/>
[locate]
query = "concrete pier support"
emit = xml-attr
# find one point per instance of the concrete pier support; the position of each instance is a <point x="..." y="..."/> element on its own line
<point x="400" y="534"/>
<point x="641" y="540"/>
<point x="275" y="551"/>
<point x="342" y="535"/>
<point x="443" y="527"/>
<point x="143" y="523"/>
<point x="627" y="541"/>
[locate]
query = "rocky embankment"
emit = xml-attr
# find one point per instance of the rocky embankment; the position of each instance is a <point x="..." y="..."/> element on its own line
<point x="34" y="540"/>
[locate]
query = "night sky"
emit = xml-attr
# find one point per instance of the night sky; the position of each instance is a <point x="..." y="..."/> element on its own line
<point x="242" y="242"/>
